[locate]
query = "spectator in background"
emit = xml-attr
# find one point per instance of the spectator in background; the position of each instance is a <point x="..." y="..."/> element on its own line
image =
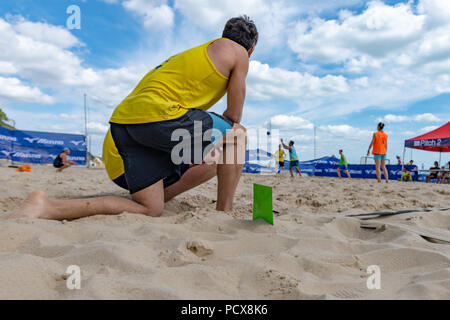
<point x="410" y="163"/>
<point x="445" y="174"/>
<point x="434" y="172"/>
<point x="399" y="161"/>
<point x="61" y="161"/>
<point x="406" y="176"/>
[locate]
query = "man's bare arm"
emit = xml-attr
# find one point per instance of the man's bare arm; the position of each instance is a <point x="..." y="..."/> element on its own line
<point x="285" y="146"/>
<point x="371" y="144"/>
<point x="237" y="87"/>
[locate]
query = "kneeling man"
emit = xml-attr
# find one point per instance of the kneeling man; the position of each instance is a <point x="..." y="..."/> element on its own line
<point x="168" y="105"/>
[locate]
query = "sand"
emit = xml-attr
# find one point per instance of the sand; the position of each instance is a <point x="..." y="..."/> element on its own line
<point x="193" y="252"/>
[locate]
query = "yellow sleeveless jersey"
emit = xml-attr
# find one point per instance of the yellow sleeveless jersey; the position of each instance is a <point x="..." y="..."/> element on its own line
<point x="112" y="159"/>
<point x="280" y="156"/>
<point x="188" y="80"/>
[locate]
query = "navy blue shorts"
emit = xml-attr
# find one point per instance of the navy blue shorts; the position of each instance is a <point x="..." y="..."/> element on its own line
<point x="146" y="149"/>
<point x="122" y="181"/>
<point x="294" y="164"/>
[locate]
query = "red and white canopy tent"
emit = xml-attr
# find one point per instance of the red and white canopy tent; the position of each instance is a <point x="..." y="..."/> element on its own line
<point x="436" y="141"/>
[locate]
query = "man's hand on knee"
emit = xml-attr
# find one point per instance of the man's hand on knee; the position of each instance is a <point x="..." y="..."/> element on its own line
<point x="234" y="144"/>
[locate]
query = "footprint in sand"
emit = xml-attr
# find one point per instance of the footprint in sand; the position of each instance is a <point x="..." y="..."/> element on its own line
<point x="200" y="248"/>
<point x="279" y="285"/>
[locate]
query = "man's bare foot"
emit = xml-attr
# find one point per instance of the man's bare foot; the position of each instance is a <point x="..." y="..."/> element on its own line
<point x="226" y="210"/>
<point x="37" y="206"/>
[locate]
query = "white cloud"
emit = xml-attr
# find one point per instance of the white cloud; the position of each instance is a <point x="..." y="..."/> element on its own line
<point x="41" y="53"/>
<point x="211" y="14"/>
<point x="70" y="116"/>
<point x="43" y="32"/>
<point x="271" y="17"/>
<point x="7" y="67"/>
<point x="428" y="129"/>
<point x="290" y="122"/>
<point x="13" y="88"/>
<point x="265" y="83"/>
<point x="353" y="140"/>
<point x="436" y="11"/>
<point x="344" y="130"/>
<point x="44" y="59"/>
<point x="378" y="31"/>
<point x="156" y="14"/>
<point x="113" y="85"/>
<point x="426" y="117"/>
<point x="381" y="37"/>
<point x="97" y="128"/>
<point x="402" y="53"/>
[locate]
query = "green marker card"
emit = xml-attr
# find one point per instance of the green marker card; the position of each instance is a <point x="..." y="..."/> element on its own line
<point x="262" y="203"/>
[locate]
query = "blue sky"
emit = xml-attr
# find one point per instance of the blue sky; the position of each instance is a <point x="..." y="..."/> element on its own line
<point x="341" y="66"/>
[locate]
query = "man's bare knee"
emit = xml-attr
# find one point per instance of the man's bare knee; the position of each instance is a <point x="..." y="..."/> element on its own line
<point x="150" y="209"/>
<point x="154" y="211"/>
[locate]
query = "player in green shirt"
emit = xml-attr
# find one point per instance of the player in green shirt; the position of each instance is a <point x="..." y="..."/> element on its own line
<point x="343" y="165"/>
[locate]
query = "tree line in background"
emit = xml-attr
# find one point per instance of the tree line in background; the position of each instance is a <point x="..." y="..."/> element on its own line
<point x="4" y="119"/>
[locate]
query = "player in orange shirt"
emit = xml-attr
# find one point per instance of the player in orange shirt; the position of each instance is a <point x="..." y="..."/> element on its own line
<point x="379" y="144"/>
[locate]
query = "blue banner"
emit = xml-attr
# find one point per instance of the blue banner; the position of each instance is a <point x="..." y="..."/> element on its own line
<point x="359" y="171"/>
<point x="327" y="167"/>
<point x="40" y="147"/>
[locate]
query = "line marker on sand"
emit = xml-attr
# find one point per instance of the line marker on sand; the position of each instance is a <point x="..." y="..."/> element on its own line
<point x="375" y="215"/>
<point x="262" y="203"/>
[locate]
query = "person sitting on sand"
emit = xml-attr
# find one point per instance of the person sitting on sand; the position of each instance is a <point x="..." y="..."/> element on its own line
<point x="61" y="161"/>
<point x="170" y="103"/>
<point x="280" y="158"/>
<point x="293" y="157"/>
<point x="434" y="172"/>
<point x="406" y="176"/>
<point x="343" y="165"/>
<point x="379" y="144"/>
<point x="445" y="174"/>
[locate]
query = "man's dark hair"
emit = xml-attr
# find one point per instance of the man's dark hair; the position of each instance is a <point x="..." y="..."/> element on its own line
<point x="292" y="142"/>
<point x="341" y="150"/>
<point x="381" y="125"/>
<point x="241" y="30"/>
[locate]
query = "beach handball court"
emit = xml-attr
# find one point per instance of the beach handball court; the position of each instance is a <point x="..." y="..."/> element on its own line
<point x="313" y="250"/>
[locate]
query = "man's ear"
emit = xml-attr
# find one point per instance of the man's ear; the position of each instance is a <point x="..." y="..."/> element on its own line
<point x="250" y="52"/>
